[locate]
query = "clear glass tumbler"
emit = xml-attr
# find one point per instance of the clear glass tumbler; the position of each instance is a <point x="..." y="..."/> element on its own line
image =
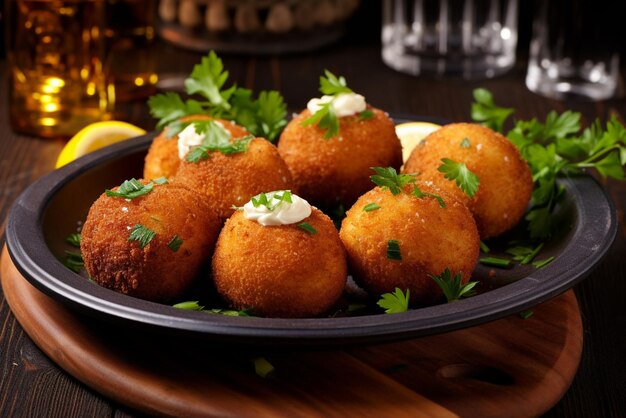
<point x="470" y="38"/>
<point x="573" y="51"/>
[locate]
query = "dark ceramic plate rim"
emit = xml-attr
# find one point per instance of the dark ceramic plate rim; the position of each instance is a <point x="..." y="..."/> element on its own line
<point x="593" y="235"/>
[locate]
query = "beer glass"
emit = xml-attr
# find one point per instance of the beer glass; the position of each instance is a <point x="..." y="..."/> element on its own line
<point x="57" y="82"/>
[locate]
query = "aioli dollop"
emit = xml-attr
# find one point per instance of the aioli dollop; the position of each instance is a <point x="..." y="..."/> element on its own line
<point x="277" y="211"/>
<point x="188" y="139"/>
<point x="344" y="104"/>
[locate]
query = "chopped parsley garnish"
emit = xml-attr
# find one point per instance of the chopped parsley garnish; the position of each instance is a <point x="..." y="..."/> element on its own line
<point x="189" y="306"/>
<point x="420" y="195"/>
<point x="465" y="179"/>
<point x="484" y="248"/>
<point x="542" y="263"/>
<point x="325" y="117"/>
<point x="465" y="143"/>
<point x="371" y="207"/>
<point x="495" y="262"/>
<point x="556" y="148"/>
<point x="393" y="250"/>
<point x="195" y="306"/>
<point x="142" y="235"/>
<point x="395" y="302"/>
<point x="215" y="138"/>
<point x="73" y="240"/>
<point x="272" y="200"/>
<point x="452" y="288"/>
<point x="388" y="178"/>
<point x="175" y="243"/>
<point x="366" y="115"/>
<point x="526" y="314"/>
<point x="307" y="227"/>
<point x="524" y="254"/>
<point x="263" y="117"/>
<point x="262" y="367"/>
<point x="73" y="261"/>
<point x="133" y="188"/>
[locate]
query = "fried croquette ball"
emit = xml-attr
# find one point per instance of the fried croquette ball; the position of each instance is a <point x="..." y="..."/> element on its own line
<point x="505" y="179"/>
<point x="431" y="238"/>
<point x="336" y="170"/>
<point x="162" y="159"/>
<point x="232" y="179"/>
<point x="280" y="271"/>
<point x="151" y="247"/>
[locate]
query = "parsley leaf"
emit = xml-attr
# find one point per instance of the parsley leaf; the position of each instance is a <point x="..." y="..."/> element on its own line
<point x="420" y="195"/>
<point x="371" y="207"/>
<point x="465" y="179"/>
<point x="484" y="110"/>
<point x="73" y="240"/>
<point x="388" y="178"/>
<point x="142" y="235"/>
<point x="133" y="188"/>
<point x="366" y="115"/>
<point x="452" y="287"/>
<point x="332" y="85"/>
<point x="215" y="138"/>
<point x="73" y="261"/>
<point x="308" y="228"/>
<point x="175" y="243"/>
<point x="393" y="250"/>
<point x="395" y="302"/>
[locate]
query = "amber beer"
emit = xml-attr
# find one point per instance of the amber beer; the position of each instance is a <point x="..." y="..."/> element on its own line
<point x="56" y="54"/>
<point x="130" y="58"/>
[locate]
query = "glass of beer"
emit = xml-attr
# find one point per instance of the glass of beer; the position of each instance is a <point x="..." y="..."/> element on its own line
<point x="58" y="82"/>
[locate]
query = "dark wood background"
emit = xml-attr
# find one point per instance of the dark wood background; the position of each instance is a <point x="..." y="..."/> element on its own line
<point x="31" y="385"/>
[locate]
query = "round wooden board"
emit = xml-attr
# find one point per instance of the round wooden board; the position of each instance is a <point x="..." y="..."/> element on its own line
<point x="510" y="367"/>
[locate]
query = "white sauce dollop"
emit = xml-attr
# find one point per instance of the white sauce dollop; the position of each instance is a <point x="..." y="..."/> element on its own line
<point x="344" y="104"/>
<point x="188" y="138"/>
<point x="283" y="214"/>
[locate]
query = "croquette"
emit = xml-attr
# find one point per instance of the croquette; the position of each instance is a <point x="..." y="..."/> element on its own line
<point x="430" y="238"/>
<point x="331" y="171"/>
<point x="232" y="179"/>
<point x="120" y="254"/>
<point x="505" y="185"/>
<point x="162" y="159"/>
<point x="280" y="271"/>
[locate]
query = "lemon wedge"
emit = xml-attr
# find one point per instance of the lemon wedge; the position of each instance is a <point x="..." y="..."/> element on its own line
<point x="95" y="136"/>
<point x="411" y="133"/>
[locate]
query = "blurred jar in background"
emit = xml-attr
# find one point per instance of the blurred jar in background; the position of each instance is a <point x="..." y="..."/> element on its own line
<point x="130" y="59"/>
<point x="56" y="53"/>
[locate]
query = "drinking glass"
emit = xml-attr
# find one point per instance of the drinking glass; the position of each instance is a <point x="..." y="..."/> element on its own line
<point x="573" y="51"/>
<point x="469" y="38"/>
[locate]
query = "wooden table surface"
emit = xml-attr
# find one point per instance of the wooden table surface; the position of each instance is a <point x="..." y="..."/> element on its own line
<point x="31" y="385"/>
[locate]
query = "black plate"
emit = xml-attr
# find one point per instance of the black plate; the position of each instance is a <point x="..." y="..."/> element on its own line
<point x="48" y="210"/>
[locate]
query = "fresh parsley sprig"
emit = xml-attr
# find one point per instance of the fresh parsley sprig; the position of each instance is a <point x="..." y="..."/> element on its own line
<point x="215" y="138"/>
<point x="388" y="178"/>
<point x="264" y="116"/>
<point x="325" y="117"/>
<point x="133" y="188"/>
<point x="464" y="178"/>
<point x="395" y="302"/>
<point x="452" y="288"/>
<point x="555" y="148"/>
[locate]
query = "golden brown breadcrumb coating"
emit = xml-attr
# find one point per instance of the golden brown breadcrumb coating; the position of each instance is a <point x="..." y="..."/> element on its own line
<point x="156" y="272"/>
<point x="505" y="179"/>
<point x="162" y="159"/>
<point x="227" y="180"/>
<point x="337" y="170"/>
<point x="431" y="239"/>
<point x="280" y="271"/>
